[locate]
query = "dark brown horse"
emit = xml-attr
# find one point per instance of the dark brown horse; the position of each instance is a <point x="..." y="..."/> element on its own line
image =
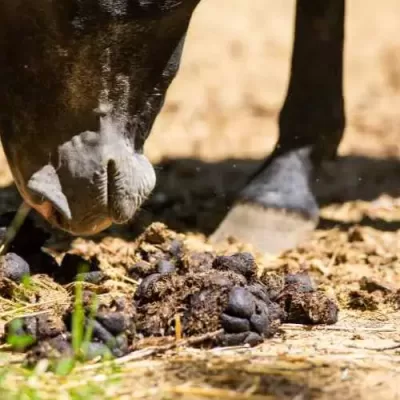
<point x="82" y="82"/>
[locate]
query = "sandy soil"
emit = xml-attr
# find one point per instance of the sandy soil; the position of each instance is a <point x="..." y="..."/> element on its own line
<point x="220" y="118"/>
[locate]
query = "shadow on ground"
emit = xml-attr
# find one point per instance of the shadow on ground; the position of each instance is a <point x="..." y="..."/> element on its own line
<point x="193" y="195"/>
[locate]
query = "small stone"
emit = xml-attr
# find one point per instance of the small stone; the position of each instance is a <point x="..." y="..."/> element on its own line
<point x="144" y="289"/>
<point x="121" y="346"/>
<point x="102" y="334"/>
<point x="302" y="280"/>
<point x="62" y="344"/>
<point x="93" y="277"/>
<point x="165" y="267"/>
<point x="260" y="322"/>
<point x="175" y="248"/>
<point x="253" y="339"/>
<point x="234" y="324"/>
<point x="140" y="270"/>
<point x="233" y="339"/>
<point x="119" y="303"/>
<point x="13" y="267"/>
<point x="122" y="342"/>
<point x="276" y="312"/>
<point x="96" y="349"/>
<point x="241" y="303"/>
<point x="114" y="322"/>
<point x="49" y="326"/>
<point x="241" y="263"/>
<point x="260" y="292"/>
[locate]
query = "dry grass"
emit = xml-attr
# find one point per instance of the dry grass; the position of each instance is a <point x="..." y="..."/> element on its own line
<point x="327" y="366"/>
<point x="224" y="104"/>
<point x="356" y="358"/>
<point x="235" y="71"/>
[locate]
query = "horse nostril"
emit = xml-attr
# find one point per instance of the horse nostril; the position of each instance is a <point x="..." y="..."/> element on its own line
<point x="121" y="204"/>
<point x="114" y="177"/>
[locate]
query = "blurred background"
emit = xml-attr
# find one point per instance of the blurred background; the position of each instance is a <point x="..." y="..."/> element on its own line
<point x="235" y="70"/>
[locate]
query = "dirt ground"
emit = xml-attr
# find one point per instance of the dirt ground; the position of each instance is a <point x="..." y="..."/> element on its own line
<point x="217" y="125"/>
